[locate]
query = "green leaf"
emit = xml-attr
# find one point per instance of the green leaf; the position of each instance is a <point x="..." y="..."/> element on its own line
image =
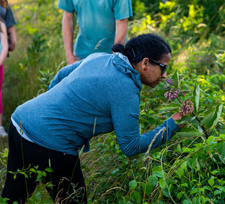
<point x="221" y="148"/>
<point x="186" y="202"/>
<point x="171" y="106"/>
<point x="216" y="192"/>
<point x="158" y="173"/>
<point x="160" y="93"/>
<point x="175" y="77"/>
<point x="210" y="140"/>
<point x="195" y="190"/>
<point x="218" y="114"/>
<point x="162" y="183"/>
<point x="132" y="184"/>
<point x="188" y="134"/>
<point x="207" y="118"/>
<point x="179" y="195"/>
<point x="48" y="169"/>
<point x="184" y="165"/>
<point x="180" y="172"/>
<point x="136" y="196"/>
<point x="152" y="180"/>
<point x="207" y="188"/>
<point x="149" y="189"/>
<point x="211" y="181"/>
<point x="196" y="98"/>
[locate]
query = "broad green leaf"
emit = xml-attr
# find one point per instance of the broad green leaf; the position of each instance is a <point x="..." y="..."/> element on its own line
<point x="162" y="183"/>
<point x="180" y="172"/>
<point x="157" y="168"/>
<point x="207" y="118"/>
<point x="158" y="173"/>
<point x="211" y="181"/>
<point x="196" y="98"/>
<point x="136" y="196"/>
<point x="179" y="195"/>
<point x="216" y="192"/>
<point x="170" y="107"/>
<point x="132" y="184"/>
<point x="48" y="169"/>
<point x="218" y="114"/>
<point x="195" y="190"/>
<point x="166" y="192"/>
<point x="213" y="121"/>
<point x="160" y="93"/>
<point x="152" y="180"/>
<point x="188" y="134"/>
<point x="210" y="140"/>
<point x="175" y="77"/>
<point x="148" y="189"/>
<point x="186" y="202"/>
<point x="221" y="149"/>
<point x="184" y="165"/>
<point x="207" y="188"/>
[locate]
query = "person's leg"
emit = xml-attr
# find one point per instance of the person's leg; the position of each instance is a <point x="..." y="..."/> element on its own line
<point x="2" y="130"/>
<point x="64" y="166"/>
<point x="68" y="170"/>
<point x="16" y="189"/>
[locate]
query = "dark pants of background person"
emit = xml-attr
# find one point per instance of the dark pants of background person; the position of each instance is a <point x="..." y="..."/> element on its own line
<point x="62" y="165"/>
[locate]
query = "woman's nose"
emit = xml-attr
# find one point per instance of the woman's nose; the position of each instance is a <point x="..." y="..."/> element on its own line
<point x="164" y="75"/>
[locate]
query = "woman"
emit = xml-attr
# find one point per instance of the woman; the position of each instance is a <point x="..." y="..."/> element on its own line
<point x="9" y="22"/>
<point x="96" y="95"/>
<point x="3" y="55"/>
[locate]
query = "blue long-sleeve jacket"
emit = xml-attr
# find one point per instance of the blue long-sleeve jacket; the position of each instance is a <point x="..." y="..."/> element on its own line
<point x="96" y="95"/>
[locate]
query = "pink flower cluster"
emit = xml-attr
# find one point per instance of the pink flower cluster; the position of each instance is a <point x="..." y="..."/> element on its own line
<point x="169" y="81"/>
<point x="172" y="94"/>
<point x="187" y="108"/>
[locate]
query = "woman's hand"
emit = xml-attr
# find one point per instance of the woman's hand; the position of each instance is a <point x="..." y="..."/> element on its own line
<point x="177" y="116"/>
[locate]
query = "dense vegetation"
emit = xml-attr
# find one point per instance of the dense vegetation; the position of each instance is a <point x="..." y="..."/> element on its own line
<point x="189" y="168"/>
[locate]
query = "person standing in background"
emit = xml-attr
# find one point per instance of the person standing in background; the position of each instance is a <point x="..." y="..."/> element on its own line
<point x="101" y="24"/>
<point x="7" y="31"/>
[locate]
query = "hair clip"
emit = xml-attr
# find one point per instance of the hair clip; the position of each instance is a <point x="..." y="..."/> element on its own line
<point x="133" y="52"/>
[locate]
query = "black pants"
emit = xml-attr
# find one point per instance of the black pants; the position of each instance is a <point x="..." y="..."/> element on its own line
<point x="23" y="154"/>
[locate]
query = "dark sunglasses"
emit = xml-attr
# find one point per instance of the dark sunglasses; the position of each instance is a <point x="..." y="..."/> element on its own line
<point x="162" y="66"/>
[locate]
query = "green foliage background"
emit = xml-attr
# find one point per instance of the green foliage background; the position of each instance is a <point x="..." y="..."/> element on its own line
<point x="186" y="169"/>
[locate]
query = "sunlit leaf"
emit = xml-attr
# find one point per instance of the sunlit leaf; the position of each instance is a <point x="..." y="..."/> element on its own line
<point x="152" y="180"/>
<point x="132" y="184"/>
<point x="188" y="134"/>
<point x="210" y="140"/>
<point x="175" y="77"/>
<point x="207" y="118"/>
<point x="172" y="106"/>
<point x="196" y="95"/>
<point x="162" y="183"/>
<point x="221" y="149"/>
<point x="218" y="114"/>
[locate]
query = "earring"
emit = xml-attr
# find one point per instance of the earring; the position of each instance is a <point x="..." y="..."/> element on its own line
<point x="144" y="68"/>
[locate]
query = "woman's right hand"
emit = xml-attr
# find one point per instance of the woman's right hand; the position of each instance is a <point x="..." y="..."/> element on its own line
<point x="177" y="116"/>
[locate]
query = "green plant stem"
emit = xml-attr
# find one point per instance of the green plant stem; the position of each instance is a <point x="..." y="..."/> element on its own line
<point x="203" y="127"/>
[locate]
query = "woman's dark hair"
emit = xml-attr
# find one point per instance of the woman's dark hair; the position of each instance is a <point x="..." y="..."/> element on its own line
<point x="146" y="45"/>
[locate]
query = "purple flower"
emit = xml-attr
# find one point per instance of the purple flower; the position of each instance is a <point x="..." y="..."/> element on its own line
<point x="172" y="94"/>
<point x="169" y="81"/>
<point x="187" y="108"/>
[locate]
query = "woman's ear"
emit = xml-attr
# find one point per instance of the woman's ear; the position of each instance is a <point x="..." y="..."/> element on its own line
<point x="145" y="63"/>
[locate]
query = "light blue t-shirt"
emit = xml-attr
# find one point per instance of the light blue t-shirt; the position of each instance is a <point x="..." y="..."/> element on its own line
<point x="96" y="20"/>
<point x="96" y="95"/>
